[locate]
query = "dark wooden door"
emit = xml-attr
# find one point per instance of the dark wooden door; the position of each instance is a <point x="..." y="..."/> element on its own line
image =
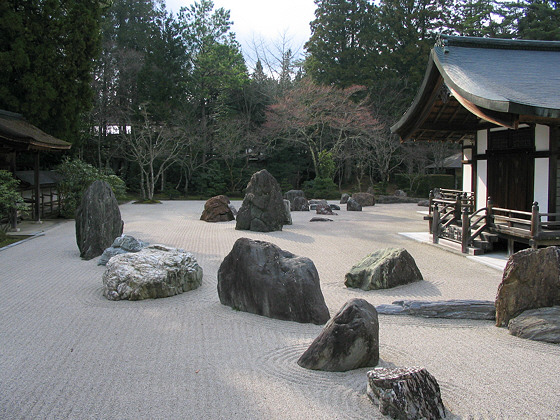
<point x="510" y="180"/>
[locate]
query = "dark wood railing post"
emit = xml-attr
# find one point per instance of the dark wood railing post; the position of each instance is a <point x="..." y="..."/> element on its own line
<point x="465" y="230"/>
<point x="430" y="213"/>
<point x="457" y="212"/>
<point x="489" y="212"/>
<point x="535" y="224"/>
<point x="435" y="225"/>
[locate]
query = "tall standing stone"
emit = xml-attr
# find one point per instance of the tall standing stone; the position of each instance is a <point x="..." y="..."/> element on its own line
<point x="98" y="220"/>
<point x="263" y="206"/>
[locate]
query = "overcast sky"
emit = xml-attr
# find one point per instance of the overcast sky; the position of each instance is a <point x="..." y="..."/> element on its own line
<point x="266" y="20"/>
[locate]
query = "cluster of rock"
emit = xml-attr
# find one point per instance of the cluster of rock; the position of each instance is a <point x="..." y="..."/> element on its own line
<point x="263" y="207"/>
<point x="528" y="297"/>
<point x="156" y="271"/>
<point x="218" y="209"/>
<point x="98" y="220"/>
<point x="383" y="269"/>
<point x="260" y="278"/>
<point x="121" y="245"/>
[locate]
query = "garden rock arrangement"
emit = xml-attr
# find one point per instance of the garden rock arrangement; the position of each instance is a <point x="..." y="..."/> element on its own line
<point x="324" y="209"/>
<point x="449" y="309"/>
<point x="353" y="205"/>
<point x="383" y="269"/>
<point x="217" y="209"/>
<point x="350" y="340"/>
<point x="313" y="204"/>
<point x="531" y="280"/>
<point x="292" y="195"/>
<point x="121" y="245"/>
<point x="260" y="278"/>
<point x="263" y="206"/>
<point x="405" y="393"/>
<point x="98" y="220"/>
<point x="537" y="324"/>
<point x="365" y="199"/>
<point x="156" y="271"/>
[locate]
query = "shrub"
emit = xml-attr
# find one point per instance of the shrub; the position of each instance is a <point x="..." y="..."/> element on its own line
<point x="321" y="188"/>
<point x="77" y="176"/>
<point x="421" y="185"/>
<point x="10" y="198"/>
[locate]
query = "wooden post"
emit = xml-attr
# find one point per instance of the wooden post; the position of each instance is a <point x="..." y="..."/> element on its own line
<point x="489" y="215"/>
<point x="37" y="189"/>
<point x="430" y="213"/>
<point x="465" y="230"/>
<point x="457" y="212"/>
<point x="535" y="224"/>
<point x="13" y="213"/>
<point x="435" y="225"/>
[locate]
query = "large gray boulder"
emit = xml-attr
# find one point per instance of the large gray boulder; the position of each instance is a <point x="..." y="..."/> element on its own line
<point x="405" y="393"/>
<point x="98" y="220"/>
<point x="344" y="198"/>
<point x="383" y="269"/>
<point x="217" y="209"/>
<point x="531" y="280"/>
<point x="121" y="245"/>
<point x="353" y="205"/>
<point x="292" y="195"/>
<point x="300" y="204"/>
<point x="263" y="206"/>
<point x="156" y="271"/>
<point x="365" y="199"/>
<point x="260" y="278"/>
<point x="537" y="324"/>
<point x="350" y="340"/>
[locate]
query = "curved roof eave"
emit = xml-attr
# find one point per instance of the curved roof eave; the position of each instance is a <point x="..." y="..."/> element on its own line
<point x="413" y="117"/>
<point x="511" y="107"/>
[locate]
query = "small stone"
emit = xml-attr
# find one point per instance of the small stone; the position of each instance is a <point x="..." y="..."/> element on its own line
<point x="405" y="393"/>
<point x="541" y="324"/>
<point x="320" y="219"/>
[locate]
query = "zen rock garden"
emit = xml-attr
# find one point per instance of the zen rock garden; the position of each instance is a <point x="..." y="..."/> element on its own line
<point x="260" y="278"/>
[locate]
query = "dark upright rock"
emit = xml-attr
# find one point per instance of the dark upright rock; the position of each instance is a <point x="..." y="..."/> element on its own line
<point x="98" y="220"/>
<point x="353" y="205"/>
<point x="344" y="198"/>
<point x="350" y="340"/>
<point x="365" y="199"/>
<point x="300" y="204"/>
<point x="263" y="206"/>
<point x="292" y="195"/>
<point x="260" y="278"/>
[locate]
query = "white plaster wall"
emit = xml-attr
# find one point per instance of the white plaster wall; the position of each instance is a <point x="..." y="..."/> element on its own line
<point x="541" y="184"/>
<point x="542" y="136"/>
<point x="467" y="170"/>
<point x="481" y="141"/>
<point x="481" y="184"/>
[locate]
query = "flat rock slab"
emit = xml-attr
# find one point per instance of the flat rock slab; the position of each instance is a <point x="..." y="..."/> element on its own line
<point x="405" y="393"/>
<point x="350" y="340"/>
<point x="537" y="324"/>
<point x="450" y="309"/>
<point x="156" y="271"/>
<point x="320" y="219"/>
<point x="383" y="269"/>
<point x="260" y="278"/>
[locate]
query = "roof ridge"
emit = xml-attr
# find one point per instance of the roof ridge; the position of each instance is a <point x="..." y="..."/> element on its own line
<point x="497" y="43"/>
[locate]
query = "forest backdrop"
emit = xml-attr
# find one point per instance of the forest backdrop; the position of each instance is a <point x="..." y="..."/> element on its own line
<point x="167" y="102"/>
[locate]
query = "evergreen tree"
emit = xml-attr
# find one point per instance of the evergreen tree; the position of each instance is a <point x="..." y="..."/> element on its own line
<point x="540" y="20"/>
<point x="46" y="56"/>
<point x="343" y="46"/>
